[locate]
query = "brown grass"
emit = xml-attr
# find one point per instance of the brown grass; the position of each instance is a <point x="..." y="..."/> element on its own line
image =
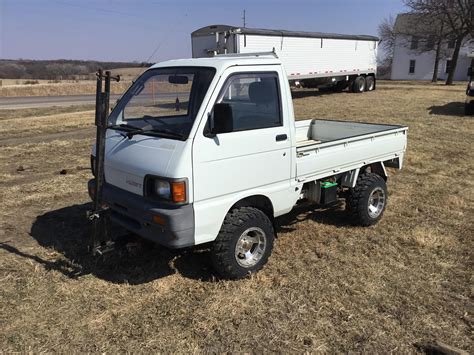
<point x="81" y="88"/>
<point x="328" y="287"/>
<point x="15" y="87"/>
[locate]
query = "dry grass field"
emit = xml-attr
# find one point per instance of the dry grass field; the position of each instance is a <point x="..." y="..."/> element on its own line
<point x="328" y="287"/>
<point x="14" y="87"/>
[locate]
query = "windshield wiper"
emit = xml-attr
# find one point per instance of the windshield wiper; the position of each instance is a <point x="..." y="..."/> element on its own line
<point x="124" y="126"/>
<point x="132" y="130"/>
<point x="157" y="131"/>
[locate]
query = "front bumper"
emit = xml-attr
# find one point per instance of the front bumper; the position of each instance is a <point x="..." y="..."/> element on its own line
<point x="135" y="213"/>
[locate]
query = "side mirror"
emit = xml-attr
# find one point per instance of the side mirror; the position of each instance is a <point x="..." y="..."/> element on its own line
<point x="221" y="120"/>
<point x="469" y="71"/>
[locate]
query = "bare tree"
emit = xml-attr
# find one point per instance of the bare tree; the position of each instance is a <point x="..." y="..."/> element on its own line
<point x="387" y="42"/>
<point x="456" y="19"/>
<point x="433" y="35"/>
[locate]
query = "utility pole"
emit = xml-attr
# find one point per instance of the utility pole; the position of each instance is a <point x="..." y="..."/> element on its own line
<point x="243" y="18"/>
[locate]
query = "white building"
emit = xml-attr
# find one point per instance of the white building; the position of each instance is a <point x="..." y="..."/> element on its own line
<point x="414" y="57"/>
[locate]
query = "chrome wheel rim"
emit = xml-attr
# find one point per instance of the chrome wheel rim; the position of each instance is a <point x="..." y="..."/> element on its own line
<point x="376" y="202"/>
<point x="250" y="247"/>
<point x="370" y="86"/>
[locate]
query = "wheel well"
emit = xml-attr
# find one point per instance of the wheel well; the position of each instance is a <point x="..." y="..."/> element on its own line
<point x="376" y="168"/>
<point x="261" y="202"/>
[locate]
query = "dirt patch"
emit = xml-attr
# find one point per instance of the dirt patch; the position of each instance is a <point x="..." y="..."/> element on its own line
<point x="328" y="287"/>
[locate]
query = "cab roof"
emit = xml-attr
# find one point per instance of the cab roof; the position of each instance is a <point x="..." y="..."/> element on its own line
<point x="221" y="62"/>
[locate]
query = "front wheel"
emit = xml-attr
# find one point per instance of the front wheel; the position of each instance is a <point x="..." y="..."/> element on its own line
<point x="367" y="200"/>
<point x="244" y="243"/>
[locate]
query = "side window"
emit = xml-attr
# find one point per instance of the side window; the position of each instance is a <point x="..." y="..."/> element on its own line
<point x="411" y="70"/>
<point x="254" y="100"/>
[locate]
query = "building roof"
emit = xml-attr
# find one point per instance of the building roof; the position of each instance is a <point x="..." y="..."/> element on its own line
<point x="413" y="24"/>
<point x="280" y="33"/>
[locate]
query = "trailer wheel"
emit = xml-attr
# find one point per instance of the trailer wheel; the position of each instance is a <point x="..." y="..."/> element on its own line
<point x="369" y="83"/>
<point x="359" y="85"/>
<point x="367" y="200"/>
<point x="244" y="243"/>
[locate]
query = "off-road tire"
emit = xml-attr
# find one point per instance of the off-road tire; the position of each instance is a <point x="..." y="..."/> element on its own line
<point x="369" y="83"/>
<point x="358" y="86"/>
<point x="358" y="199"/>
<point x="223" y="249"/>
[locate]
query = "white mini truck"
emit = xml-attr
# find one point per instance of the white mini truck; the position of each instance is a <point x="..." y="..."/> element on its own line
<point x="207" y="150"/>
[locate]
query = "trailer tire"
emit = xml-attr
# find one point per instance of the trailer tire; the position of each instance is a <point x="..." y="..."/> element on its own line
<point x="369" y="83"/>
<point x="358" y="86"/>
<point x="244" y="243"/>
<point x="366" y="201"/>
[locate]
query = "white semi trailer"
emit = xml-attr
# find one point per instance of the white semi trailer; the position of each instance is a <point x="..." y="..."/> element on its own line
<point x="311" y="59"/>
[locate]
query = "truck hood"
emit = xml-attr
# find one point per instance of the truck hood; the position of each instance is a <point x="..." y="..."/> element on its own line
<point x="128" y="161"/>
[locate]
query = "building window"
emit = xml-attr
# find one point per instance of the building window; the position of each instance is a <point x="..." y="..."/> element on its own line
<point x="414" y="42"/>
<point x="449" y="62"/>
<point x="412" y="67"/>
<point x="451" y="43"/>
<point x="430" y="43"/>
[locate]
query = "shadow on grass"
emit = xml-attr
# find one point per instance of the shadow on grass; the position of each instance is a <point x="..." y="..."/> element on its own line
<point x="333" y="214"/>
<point x="449" y="109"/>
<point x="136" y="261"/>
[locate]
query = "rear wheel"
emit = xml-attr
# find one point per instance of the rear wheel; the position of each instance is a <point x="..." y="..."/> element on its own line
<point x="244" y="243"/>
<point x="369" y="83"/>
<point x="358" y="85"/>
<point x="367" y="200"/>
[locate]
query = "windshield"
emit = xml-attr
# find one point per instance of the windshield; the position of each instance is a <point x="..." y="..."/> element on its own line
<point x="163" y="100"/>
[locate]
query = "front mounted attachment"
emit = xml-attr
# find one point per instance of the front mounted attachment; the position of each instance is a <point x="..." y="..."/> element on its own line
<point x="98" y="215"/>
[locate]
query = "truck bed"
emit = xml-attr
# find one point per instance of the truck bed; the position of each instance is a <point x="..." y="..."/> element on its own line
<point x="327" y="147"/>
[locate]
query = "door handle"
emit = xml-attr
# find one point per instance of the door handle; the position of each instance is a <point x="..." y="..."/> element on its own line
<point x="281" y="137"/>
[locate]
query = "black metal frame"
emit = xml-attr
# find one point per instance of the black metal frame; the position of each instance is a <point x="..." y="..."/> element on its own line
<point x="98" y="213"/>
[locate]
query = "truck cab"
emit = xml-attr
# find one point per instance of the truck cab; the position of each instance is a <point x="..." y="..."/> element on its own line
<point x="207" y="151"/>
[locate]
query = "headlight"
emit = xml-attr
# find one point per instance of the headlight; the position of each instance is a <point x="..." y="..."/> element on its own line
<point x="163" y="189"/>
<point x="168" y="190"/>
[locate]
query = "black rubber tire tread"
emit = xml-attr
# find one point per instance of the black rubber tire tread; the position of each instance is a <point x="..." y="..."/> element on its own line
<point x="356" y="202"/>
<point x="356" y="86"/>
<point x="369" y="80"/>
<point x="223" y="248"/>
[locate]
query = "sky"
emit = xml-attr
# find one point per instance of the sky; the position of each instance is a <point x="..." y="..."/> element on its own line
<point x="157" y="30"/>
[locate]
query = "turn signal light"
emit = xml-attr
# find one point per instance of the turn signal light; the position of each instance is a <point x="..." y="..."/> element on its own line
<point x="158" y="219"/>
<point x="178" y="191"/>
